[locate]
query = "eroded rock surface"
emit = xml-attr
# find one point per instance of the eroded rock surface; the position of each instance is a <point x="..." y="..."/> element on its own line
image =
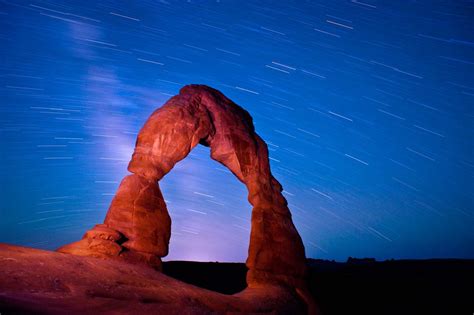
<point x="137" y="227"/>
<point x="43" y="282"/>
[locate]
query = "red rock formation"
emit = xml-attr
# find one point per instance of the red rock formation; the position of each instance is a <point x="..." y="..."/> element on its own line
<point x="137" y="226"/>
<point x="42" y="282"/>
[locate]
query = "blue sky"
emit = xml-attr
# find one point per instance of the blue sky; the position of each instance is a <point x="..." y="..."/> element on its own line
<point x="366" y="106"/>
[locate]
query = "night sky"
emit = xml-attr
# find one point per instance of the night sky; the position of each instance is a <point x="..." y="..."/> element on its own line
<point x="366" y="107"/>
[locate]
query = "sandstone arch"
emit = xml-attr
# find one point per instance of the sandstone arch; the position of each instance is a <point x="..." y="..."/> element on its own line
<point x="137" y="226"/>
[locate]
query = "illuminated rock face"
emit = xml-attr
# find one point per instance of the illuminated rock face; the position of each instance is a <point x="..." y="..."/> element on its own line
<point x="138" y="227"/>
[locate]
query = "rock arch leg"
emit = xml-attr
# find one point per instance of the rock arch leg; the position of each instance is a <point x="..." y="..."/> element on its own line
<point x="276" y="252"/>
<point x="137" y="227"/>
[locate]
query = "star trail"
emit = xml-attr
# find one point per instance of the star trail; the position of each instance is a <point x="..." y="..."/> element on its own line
<point x="366" y="108"/>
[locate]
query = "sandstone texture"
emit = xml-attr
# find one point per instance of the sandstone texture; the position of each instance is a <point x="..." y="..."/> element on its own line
<point x="137" y="227"/>
<point x="43" y="282"/>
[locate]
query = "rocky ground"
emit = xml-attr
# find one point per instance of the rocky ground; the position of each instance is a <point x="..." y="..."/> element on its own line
<point x="42" y="282"/>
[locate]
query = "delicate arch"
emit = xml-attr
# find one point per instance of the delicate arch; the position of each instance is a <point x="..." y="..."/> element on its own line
<point x="137" y="226"/>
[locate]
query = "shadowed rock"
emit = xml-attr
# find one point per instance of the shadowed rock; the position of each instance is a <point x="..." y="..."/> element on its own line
<point x="137" y="227"/>
<point x="42" y="282"/>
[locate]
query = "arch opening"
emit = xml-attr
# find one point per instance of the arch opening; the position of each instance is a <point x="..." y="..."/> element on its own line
<point x="209" y="211"/>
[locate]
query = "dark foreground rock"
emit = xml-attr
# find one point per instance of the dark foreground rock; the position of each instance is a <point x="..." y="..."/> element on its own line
<point x="43" y="282"/>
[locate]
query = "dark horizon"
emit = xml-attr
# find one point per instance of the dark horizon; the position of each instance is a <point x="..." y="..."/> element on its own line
<point x="333" y="260"/>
